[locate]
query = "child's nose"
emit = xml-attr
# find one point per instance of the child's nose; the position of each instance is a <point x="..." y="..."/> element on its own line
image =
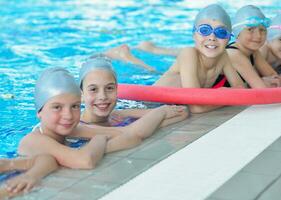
<point x="212" y="37"/>
<point x="67" y="114"/>
<point x="102" y="94"/>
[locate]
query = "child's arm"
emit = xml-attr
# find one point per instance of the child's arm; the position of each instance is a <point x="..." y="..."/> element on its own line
<point x="244" y="67"/>
<point x="264" y="68"/>
<point x="42" y="165"/>
<point x="83" y="158"/>
<point x="21" y="164"/>
<point x="269" y="75"/>
<point x="231" y="74"/>
<point x="144" y="127"/>
<point x="138" y="113"/>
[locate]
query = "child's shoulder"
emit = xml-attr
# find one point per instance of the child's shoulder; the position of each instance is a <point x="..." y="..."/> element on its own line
<point x="187" y="53"/>
<point x="188" y="50"/>
<point x="32" y="136"/>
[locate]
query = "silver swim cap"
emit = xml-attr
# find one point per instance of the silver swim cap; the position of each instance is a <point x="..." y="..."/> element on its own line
<point x="248" y="16"/>
<point x="214" y="12"/>
<point x="274" y="30"/>
<point x="53" y="82"/>
<point x="98" y="61"/>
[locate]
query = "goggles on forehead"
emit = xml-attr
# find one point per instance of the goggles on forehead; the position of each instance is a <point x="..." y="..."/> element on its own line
<point x="206" y="30"/>
<point x="254" y="21"/>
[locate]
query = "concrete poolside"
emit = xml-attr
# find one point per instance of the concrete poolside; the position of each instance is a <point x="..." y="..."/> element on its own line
<point x="208" y="166"/>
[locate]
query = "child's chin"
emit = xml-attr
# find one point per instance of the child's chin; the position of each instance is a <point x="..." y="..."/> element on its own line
<point x="212" y="55"/>
<point x="103" y="114"/>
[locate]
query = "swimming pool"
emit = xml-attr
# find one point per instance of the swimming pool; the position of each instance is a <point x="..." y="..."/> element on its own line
<point x="39" y="34"/>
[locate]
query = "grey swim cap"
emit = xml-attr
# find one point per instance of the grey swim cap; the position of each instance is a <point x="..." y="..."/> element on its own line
<point x="242" y="17"/>
<point x="98" y="61"/>
<point x="53" y="82"/>
<point x="274" y="30"/>
<point x="214" y="12"/>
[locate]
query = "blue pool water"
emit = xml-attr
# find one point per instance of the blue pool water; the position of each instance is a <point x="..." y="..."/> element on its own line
<point x="39" y="34"/>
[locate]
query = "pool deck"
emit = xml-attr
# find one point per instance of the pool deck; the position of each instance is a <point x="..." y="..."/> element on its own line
<point x="239" y="158"/>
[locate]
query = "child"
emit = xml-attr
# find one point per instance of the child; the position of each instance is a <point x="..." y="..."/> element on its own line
<point x="271" y="50"/>
<point x="201" y="66"/>
<point x="35" y="169"/>
<point x="57" y="102"/>
<point x="98" y="84"/>
<point x="250" y="31"/>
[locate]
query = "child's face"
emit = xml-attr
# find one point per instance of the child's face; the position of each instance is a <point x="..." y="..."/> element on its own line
<point x="275" y="46"/>
<point x="99" y="93"/>
<point x="61" y="114"/>
<point x="252" y="38"/>
<point x="210" y="46"/>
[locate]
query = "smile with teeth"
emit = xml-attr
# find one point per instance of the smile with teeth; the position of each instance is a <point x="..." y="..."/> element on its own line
<point x="211" y="46"/>
<point x="102" y="106"/>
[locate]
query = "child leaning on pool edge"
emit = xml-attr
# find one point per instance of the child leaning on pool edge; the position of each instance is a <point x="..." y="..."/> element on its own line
<point x="250" y="29"/>
<point x="202" y="65"/>
<point x="57" y="100"/>
<point x="98" y="83"/>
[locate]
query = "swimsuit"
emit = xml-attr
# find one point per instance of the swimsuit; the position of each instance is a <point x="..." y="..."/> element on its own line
<point x="79" y="142"/>
<point x="221" y="80"/>
<point x="7" y="175"/>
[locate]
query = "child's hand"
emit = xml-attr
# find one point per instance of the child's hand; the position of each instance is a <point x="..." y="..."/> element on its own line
<point x="22" y="183"/>
<point x="173" y="111"/>
<point x="272" y="81"/>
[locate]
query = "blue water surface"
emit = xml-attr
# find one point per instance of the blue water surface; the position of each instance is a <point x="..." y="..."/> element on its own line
<point x="36" y="35"/>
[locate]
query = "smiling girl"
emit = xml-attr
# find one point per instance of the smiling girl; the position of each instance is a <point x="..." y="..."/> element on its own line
<point x="98" y="83"/>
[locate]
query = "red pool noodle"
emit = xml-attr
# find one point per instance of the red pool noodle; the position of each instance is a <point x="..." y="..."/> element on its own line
<point x="205" y="96"/>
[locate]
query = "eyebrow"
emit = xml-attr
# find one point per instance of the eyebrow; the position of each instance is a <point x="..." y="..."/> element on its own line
<point x="59" y="103"/>
<point x="91" y="85"/>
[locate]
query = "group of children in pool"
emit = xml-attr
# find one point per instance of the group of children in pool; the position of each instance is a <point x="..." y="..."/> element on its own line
<point x="57" y="97"/>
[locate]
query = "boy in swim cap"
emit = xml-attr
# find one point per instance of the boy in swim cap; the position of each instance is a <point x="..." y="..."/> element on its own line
<point x="201" y="66"/>
<point x="250" y="29"/>
<point x="271" y="50"/>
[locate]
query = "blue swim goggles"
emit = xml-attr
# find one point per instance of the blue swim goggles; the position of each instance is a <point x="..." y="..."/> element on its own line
<point x="253" y="22"/>
<point x="206" y="30"/>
